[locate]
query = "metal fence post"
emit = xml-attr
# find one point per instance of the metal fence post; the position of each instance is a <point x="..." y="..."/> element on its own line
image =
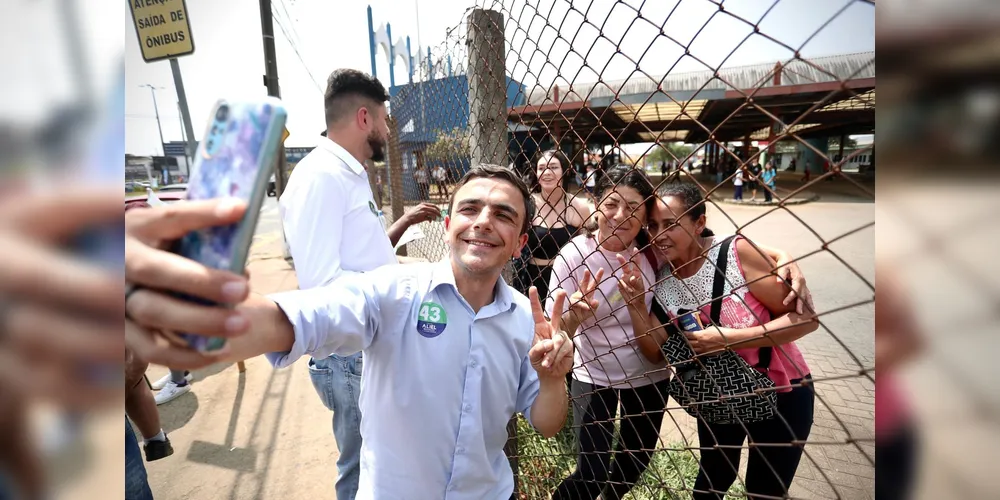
<point x="395" y="160"/>
<point x="487" y="88"/>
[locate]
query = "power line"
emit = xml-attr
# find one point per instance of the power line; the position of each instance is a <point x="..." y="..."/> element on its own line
<point x="293" y="44"/>
<point x="291" y="22"/>
<point x="295" y="49"/>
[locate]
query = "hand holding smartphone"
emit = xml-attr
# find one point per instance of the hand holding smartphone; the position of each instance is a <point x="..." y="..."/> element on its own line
<point x="688" y="321"/>
<point x="235" y="159"/>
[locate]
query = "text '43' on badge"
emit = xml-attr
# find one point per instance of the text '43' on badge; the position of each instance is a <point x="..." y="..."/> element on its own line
<point x="431" y="320"/>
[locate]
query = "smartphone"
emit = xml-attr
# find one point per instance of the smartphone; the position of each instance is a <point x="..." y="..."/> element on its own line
<point x="689" y="321"/>
<point x="234" y="159"/>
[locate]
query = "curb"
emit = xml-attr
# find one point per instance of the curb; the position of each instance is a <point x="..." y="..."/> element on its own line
<point x="793" y="201"/>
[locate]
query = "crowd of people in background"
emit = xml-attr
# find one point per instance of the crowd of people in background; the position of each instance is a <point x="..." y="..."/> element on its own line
<point x="606" y="262"/>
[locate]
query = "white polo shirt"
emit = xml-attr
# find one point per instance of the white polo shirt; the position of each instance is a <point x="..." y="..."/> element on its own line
<point x="331" y="221"/>
<point x="440" y="380"/>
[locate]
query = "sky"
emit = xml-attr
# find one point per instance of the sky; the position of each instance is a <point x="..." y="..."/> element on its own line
<point x="38" y="74"/>
<point x="228" y="60"/>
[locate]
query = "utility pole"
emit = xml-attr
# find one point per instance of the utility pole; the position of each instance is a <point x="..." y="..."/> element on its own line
<point x="273" y="90"/>
<point x="187" y="154"/>
<point x="271" y="82"/>
<point x="156" y="110"/>
<point x="187" y="130"/>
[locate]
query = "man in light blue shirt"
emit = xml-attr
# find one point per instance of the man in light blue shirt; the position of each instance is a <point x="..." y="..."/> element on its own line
<point x="451" y="351"/>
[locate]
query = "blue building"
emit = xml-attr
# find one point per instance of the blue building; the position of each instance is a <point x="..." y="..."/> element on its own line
<point x="423" y="110"/>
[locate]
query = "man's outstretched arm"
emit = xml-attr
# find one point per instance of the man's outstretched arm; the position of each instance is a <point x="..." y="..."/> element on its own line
<point x="302" y="323"/>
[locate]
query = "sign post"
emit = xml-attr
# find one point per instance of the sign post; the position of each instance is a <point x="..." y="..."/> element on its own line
<point x="189" y="151"/>
<point x="164" y="32"/>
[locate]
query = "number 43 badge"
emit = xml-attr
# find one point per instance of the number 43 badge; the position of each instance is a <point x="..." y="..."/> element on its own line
<point x="431" y="320"/>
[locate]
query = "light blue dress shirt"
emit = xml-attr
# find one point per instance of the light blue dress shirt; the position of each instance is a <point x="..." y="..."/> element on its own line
<point x="440" y="381"/>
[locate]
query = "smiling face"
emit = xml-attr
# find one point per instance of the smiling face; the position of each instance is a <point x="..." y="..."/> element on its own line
<point x="484" y="229"/>
<point x="549" y="172"/>
<point x="674" y="232"/>
<point x="620" y="215"/>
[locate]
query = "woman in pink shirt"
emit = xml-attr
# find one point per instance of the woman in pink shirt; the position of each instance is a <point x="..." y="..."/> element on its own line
<point x="754" y="315"/>
<point x="610" y="372"/>
<point x="897" y="341"/>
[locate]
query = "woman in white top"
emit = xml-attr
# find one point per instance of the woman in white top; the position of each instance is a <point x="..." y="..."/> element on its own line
<point x="591" y="181"/>
<point x="757" y="321"/>
<point x="441" y="180"/>
<point x="738" y="184"/>
<point x="609" y="371"/>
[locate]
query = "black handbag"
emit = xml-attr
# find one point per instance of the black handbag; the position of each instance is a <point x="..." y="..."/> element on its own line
<point x="722" y="388"/>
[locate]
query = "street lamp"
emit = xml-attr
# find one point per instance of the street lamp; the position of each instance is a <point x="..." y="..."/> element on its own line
<point x="156" y="110"/>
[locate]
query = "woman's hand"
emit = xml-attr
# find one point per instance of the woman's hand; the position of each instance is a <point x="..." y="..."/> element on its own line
<point x="631" y="285"/>
<point x="712" y="339"/>
<point x="582" y="303"/>
<point x="789" y="272"/>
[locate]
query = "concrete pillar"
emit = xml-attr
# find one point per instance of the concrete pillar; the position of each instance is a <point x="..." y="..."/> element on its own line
<point x="810" y="158"/>
<point x="487" y="88"/>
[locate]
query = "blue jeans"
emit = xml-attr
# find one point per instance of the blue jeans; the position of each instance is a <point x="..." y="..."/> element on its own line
<point x="337" y="380"/>
<point x="136" y="484"/>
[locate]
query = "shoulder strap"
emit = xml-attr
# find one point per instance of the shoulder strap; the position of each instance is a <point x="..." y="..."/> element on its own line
<point x="661" y="314"/>
<point x="719" y="283"/>
<point x="719" y="286"/>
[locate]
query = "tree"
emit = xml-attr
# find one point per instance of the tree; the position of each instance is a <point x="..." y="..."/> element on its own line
<point x="669" y="152"/>
<point x="450" y="145"/>
<point x="834" y="145"/>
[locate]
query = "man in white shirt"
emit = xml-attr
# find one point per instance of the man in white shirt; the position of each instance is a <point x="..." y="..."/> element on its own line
<point x="423" y="182"/>
<point x="451" y="351"/>
<point x="441" y="179"/>
<point x="334" y="229"/>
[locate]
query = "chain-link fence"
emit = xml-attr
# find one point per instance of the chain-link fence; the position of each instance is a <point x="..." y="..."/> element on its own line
<point x="645" y="145"/>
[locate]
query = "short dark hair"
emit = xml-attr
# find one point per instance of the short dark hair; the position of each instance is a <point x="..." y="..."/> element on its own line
<point x="349" y="89"/>
<point x="531" y="174"/>
<point x="489" y="171"/>
<point x="690" y="196"/>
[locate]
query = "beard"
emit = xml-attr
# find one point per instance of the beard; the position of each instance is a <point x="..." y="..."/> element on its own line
<point x="377" y="143"/>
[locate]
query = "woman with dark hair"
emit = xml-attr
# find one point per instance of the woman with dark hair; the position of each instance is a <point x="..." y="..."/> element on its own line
<point x="558" y="217"/>
<point x="755" y="318"/>
<point x="609" y="372"/>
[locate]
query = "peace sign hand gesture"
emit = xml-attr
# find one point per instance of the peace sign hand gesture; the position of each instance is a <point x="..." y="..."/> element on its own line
<point x="582" y="303"/>
<point x="551" y="351"/>
<point x="631" y="285"/>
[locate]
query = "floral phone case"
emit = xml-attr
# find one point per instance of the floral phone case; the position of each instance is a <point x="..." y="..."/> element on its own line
<point x="234" y="159"/>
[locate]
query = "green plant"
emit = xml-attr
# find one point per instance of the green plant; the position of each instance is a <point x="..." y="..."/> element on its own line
<point x="450" y="145"/>
<point x="669" y="152"/>
<point x="544" y="463"/>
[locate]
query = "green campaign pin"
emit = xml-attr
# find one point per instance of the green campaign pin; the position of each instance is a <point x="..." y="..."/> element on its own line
<point x="431" y="320"/>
